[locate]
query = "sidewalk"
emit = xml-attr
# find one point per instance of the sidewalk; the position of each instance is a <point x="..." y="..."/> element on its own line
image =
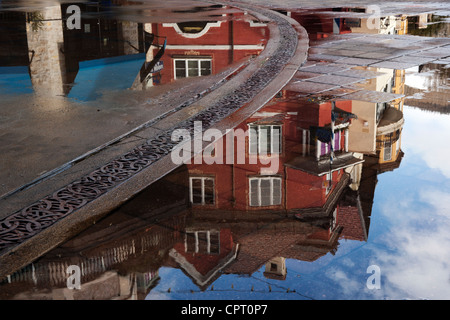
<point x="101" y="166"/>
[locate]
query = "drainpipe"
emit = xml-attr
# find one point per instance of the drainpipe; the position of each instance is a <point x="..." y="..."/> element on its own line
<point x="346" y="140"/>
<point x="317" y="149"/>
<point x="231" y="42"/>
<point x="333" y="105"/>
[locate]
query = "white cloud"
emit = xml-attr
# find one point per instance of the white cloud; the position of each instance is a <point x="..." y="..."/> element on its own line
<point x="419" y="265"/>
<point x="426" y="135"/>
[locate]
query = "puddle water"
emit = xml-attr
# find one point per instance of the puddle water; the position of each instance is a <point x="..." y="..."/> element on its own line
<point x="107" y="76"/>
<point x="340" y="189"/>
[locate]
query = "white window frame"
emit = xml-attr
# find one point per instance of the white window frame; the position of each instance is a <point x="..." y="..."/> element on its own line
<point x="328" y="183"/>
<point x="186" y="60"/>
<point x="208" y="235"/>
<point x="191" y="191"/>
<point x="256" y="127"/>
<point x="259" y="179"/>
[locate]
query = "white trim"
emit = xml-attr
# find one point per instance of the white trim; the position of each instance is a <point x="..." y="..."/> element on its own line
<point x="328" y="182"/>
<point x="214" y="47"/>
<point x="199" y="278"/>
<point x="256" y="127"/>
<point x="193" y="35"/>
<point x="265" y="114"/>
<point x="346" y="140"/>
<point x="257" y="24"/>
<point x="259" y="179"/>
<point x="191" y="193"/>
<point x="208" y="234"/>
<point x="186" y="60"/>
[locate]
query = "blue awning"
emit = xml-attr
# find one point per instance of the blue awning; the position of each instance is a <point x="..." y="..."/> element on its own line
<point x="15" y="80"/>
<point x="96" y="76"/>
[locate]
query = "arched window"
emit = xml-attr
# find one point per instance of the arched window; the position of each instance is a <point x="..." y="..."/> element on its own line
<point x="192" y="26"/>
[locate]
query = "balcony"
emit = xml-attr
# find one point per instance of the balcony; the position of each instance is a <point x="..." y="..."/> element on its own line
<point x="392" y="121"/>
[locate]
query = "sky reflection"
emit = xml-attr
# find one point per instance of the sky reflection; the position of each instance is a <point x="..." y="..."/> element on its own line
<point x="412" y="213"/>
<point x="408" y="238"/>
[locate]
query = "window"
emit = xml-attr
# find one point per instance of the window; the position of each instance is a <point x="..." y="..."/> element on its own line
<point x="205" y="242"/>
<point x="265" y="139"/>
<point x="387" y="151"/>
<point x="192" y="67"/>
<point x="328" y="183"/>
<point x="201" y="190"/>
<point x="192" y="26"/>
<point x="337" y="140"/>
<point x="333" y="221"/>
<point x="325" y="147"/>
<point x="265" y="191"/>
<point x="381" y="107"/>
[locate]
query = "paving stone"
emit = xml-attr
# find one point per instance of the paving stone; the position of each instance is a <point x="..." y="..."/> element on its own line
<point x="315" y="50"/>
<point x="326" y="43"/>
<point x="301" y="75"/>
<point x="324" y="57"/>
<point x="358" y="61"/>
<point x="440" y="52"/>
<point x="325" y="68"/>
<point x="309" y="87"/>
<point x="413" y="59"/>
<point x="335" y="79"/>
<point x="436" y="41"/>
<point x="377" y="55"/>
<point x="358" y="73"/>
<point x="394" y="65"/>
<point x="339" y="92"/>
<point x="372" y="96"/>
<point x="345" y="53"/>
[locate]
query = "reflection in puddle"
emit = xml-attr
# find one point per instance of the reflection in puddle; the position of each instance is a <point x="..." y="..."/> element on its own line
<point x="104" y="52"/>
<point x="333" y="130"/>
<point x="107" y="77"/>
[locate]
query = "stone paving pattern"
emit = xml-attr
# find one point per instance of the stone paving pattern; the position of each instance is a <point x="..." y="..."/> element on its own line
<point x="333" y="66"/>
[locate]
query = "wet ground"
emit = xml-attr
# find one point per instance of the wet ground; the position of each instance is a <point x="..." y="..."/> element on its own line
<point x="82" y="99"/>
<point x="354" y="207"/>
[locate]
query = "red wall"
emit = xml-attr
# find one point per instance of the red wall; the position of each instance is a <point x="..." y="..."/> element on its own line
<point x="299" y="189"/>
<point x="234" y="32"/>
